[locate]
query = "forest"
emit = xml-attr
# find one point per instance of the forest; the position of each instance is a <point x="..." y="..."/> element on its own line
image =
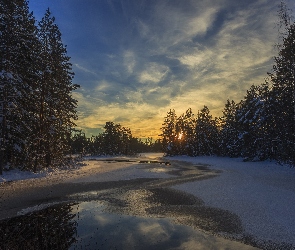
<point x="259" y="127"/>
<point x="115" y="140"/>
<point x="38" y="111"/>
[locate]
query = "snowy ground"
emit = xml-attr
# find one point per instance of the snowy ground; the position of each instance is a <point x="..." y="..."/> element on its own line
<point x="262" y="194"/>
<point x="91" y="170"/>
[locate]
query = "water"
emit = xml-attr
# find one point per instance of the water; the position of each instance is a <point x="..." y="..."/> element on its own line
<point x="101" y="230"/>
<point x="87" y="225"/>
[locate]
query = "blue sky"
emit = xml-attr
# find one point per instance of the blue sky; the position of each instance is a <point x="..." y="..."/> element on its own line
<point x="136" y="59"/>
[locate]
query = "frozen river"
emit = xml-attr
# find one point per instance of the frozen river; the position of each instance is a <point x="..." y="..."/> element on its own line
<point x="149" y="202"/>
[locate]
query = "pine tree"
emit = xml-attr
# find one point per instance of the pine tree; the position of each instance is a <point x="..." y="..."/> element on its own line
<point x="78" y="142"/>
<point x="126" y="137"/>
<point x="116" y="139"/>
<point x="229" y="131"/>
<point x="18" y="61"/>
<point x="206" y="133"/>
<point x="111" y="138"/>
<point x="37" y="110"/>
<point x="251" y="124"/>
<point x="169" y="134"/>
<point x="55" y="110"/>
<point x="283" y="90"/>
<point x="185" y="128"/>
<point x="265" y="126"/>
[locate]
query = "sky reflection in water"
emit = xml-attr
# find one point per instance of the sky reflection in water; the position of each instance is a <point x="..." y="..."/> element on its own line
<point x="86" y="225"/>
<point x="97" y="229"/>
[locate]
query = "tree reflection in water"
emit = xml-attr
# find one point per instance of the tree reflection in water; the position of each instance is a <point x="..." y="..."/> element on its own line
<point x="87" y="225"/>
<point x="50" y="228"/>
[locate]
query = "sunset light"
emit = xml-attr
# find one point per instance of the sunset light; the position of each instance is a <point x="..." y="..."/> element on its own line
<point x="136" y="60"/>
<point x="180" y="136"/>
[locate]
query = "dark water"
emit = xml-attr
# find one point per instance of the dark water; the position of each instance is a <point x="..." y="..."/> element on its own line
<point x="86" y="225"/>
<point x="97" y="229"/>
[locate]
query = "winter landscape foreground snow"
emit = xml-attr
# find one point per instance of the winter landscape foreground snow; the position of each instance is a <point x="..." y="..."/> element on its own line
<point x="261" y="194"/>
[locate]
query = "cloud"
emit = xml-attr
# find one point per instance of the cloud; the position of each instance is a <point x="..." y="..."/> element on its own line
<point x="236" y="58"/>
<point x="84" y="69"/>
<point x="153" y="72"/>
<point x="172" y="24"/>
<point x="141" y="118"/>
<point x="129" y="61"/>
<point x="137" y="59"/>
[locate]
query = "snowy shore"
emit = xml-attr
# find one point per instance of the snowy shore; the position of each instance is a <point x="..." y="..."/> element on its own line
<point x="262" y="194"/>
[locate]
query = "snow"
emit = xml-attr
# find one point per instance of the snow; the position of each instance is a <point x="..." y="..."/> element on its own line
<point x="262" y="194"/>
<point x="94" y="169"/>
<point x="16" y="175"/>
<point x="97" y="170"/>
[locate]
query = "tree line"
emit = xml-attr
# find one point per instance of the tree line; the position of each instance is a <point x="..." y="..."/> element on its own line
<point x="259" y="127"/>
<point x="115" y="140"/>
<point x="37" y="110"/>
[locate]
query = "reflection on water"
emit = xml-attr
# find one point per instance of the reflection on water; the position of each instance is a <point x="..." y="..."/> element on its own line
<point x="51" y="228"/>
<point x="100" y="230"/>
<point x="97" y="229"/>
<point x="86" y="225"/>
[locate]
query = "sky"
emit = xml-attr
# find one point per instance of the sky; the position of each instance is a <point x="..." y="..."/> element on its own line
<point x="137" y="59"/>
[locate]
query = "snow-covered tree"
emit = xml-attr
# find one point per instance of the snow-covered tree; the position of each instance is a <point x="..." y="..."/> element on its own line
<point x="185" y="129"/>
<point x="116" y="139"/>
<point x="36" y="106"/>
<point x="251" y="124"/>
<point x="283" y="90"/>
<point x="56" y="108"/>
<point x="229" y="132"/>
<point x="206" y="133"/>
<point x="18" y="67"/>
<point x="169" y="133"/>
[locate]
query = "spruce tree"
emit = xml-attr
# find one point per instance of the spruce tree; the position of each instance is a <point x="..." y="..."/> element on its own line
<point x="169" y="133"/>
<point x="56" y="108"/>
<point x="229" y="130"/>
<point x="206" y="133"/>
<point x="283" y="91"/>
<point x="185" y="128"/>
<point x="250" y="124"/>
<point x="18" y="61"/>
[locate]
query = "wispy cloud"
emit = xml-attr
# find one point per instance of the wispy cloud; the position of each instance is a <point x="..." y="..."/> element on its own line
<point x="137" y="59"/>
<point x="84" y="69"/>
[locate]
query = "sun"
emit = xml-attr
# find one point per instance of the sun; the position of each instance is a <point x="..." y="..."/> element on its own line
<point x="180" y="135"/>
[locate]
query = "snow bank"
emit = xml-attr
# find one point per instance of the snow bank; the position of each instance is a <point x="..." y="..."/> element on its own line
<point x="15" y="175"/>
<point x="92" y="170"/>
<point x="262" y="194"/>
